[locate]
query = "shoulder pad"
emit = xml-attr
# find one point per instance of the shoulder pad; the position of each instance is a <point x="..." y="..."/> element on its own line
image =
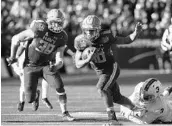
<point x="38" y="25"/>
<point x="80" y="42"/>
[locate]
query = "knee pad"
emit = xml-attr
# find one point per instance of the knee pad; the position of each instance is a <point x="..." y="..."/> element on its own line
<point x="60" y="91"/>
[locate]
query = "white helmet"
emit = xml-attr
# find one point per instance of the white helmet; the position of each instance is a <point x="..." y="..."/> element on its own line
<point x="91" y="23"/>
<point x="55" y="20"/>
<point x="150" y="90"/>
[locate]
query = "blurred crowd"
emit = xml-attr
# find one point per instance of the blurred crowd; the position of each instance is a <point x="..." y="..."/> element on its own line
<point x="118" y="15"/>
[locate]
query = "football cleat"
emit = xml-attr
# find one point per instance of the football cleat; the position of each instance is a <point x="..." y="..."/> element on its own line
<point x="111" y="115"/>
<point x="47" y="103"/>
<point x="35" y="104"/>
<point x="20" y="106"/>
<point x="67" y="116"/>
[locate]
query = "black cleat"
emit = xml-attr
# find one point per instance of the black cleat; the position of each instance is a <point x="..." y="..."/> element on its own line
<point x="67" y="116"/>
<point x="112" y="118"/>
<point x="20" y="106"/>
<point x="35" y="104"/>
<point x="47" y="103"/>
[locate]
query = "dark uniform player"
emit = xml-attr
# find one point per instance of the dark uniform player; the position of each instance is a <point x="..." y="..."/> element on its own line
<point x="48" y="43"/>
<point x="102" y="61"/>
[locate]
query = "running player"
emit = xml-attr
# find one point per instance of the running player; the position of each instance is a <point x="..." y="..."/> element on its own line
<point x="102" y="61"/>
<point x="48" y="38"/>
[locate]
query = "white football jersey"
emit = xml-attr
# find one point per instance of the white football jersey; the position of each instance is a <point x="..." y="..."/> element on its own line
<point x="167" y="36"/>
<point x="161" y="109"/>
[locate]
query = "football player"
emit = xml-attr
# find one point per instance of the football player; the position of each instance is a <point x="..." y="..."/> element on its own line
<point x="102" y="61"/>
<point x="166" y="45"/>
<point x="18" y="69"/>
<point x="157" y="103"/>
<point x="48" y="37"/>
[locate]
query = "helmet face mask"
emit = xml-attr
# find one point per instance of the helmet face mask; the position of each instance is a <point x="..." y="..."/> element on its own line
<point x="91" y="34"/>
<point x="91" y="27"/>
<point x="55" y="20"/>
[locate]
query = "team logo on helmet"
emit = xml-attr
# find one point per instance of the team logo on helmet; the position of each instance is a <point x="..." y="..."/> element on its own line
<point x="150" y="90"/>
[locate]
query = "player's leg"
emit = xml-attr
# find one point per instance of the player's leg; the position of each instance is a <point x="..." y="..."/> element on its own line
<point x="56" y="82"/>
<point x="107" y="97"/>
<point x="21" y="103"/>
<point x="120" y="99"/>
<point x="31" y="76"/>
<point x="104" y="84"/>
<point x="45" y="88"/>
<point x="19" y="72"/>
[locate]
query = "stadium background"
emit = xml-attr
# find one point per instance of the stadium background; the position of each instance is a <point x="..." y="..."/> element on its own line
<point x="118" y="15"/>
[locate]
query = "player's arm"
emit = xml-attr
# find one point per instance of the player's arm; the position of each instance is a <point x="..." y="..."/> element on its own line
<point x="130" y="38"/>
<point x="78" y="44"/>
<point x="16" y="40"/>
<point x="165" y="44"/>
<point x="59" y="57"/>
<point x="131" y="115"/>
<point x="20" y="50"/>
<point x="79" y="62"/>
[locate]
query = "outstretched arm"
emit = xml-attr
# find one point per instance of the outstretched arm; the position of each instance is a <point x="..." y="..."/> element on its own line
<point x="15" y="42"/>
<point x="129" y="39"/>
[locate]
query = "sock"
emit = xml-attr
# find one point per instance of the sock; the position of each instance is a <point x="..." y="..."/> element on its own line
<point x="63" y="107"/>
<point x="22" y="94"/>
<point x="45" y="88"/>
<point x="63" y="102"/>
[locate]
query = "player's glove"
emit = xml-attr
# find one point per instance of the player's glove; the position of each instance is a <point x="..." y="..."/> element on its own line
<point x="11" y="60"/>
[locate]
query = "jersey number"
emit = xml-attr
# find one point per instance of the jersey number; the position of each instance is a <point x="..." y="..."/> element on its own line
<point x="99" y="57"/>
<point x="45" y="47"/>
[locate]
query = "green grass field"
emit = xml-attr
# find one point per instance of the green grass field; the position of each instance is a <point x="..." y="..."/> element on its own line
<point x="84" y="103"/>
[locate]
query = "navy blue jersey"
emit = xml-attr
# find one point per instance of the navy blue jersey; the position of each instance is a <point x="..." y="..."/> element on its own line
<point x="45" y="42"/>
<point x="103" y="58"/>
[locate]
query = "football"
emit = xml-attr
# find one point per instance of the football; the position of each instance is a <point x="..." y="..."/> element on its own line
<point x="87" y="51"/>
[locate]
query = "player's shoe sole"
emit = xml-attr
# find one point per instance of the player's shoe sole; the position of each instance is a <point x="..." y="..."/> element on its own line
<point x="67" y="116"/>
<point x="47" y="103"/>
<point x="35" y="104"/>
<point x="20" y="106"/>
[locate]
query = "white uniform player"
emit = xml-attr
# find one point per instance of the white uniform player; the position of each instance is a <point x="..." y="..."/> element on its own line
<point x="157" y="104"/>
<point x="166" y="43"/>
<point x="18" y="69"/>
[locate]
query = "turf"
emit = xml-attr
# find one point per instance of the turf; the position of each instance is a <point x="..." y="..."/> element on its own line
<point x="84" y="103"/>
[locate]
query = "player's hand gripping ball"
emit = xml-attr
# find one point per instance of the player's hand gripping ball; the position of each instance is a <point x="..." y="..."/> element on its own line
<point x="88" y="52"/>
